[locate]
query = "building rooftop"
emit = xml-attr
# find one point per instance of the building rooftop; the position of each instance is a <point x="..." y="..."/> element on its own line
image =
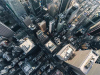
<point x="66" y="52"/>
<point x="51" y="46"/>
<point x="27" y="45"/>
<point x="79" y="58"/>
<point x="95" y="70"/>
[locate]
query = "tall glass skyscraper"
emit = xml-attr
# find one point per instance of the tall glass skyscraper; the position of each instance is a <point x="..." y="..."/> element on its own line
<point x="5" y="31"/>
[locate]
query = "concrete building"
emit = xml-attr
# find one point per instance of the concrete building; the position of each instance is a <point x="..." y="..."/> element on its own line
<point x="50" y="46"/>
<point x="27" y="46"/>
<point x="66" y="52"/>
<point x="81" y="61"/>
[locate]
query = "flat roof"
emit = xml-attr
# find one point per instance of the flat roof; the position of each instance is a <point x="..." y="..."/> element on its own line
<point x="66" y="48"/>
<point x="95" y="70"/>
<point x="79" y="58"/>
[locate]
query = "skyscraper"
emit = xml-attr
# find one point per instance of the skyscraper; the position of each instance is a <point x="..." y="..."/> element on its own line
<point x="51" y="26"/>
<point x="71" y="12"/>
<point x="18" y="9"/>
<point x="5" y="31"/>
<point x="60" y="26"/>
<point x="42" y="25"/>
<point x="64" y="4"/>
<point x="36" y="6"/>
<point x="53" y="9"/>
<point x="7" y="18"/>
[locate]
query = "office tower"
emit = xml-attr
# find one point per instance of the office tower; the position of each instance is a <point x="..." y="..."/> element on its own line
<point x="60" y="26"/>
<point x="53" y="8"/>
<point x="47" y="18"/>
<point x="5" y="31"/>
<point x="31" y="7"/>
<point x="7" y="19"/>
<point x="71" y="12"/>
<point x="17" y="8"/>
<point x="42" y="26"/>
<point x="41" y="36"/>
<point x="60" y="17"/>
<point x="81" y="61"/>
<point x="69" y="3"/>
<point x="57" y="6"/>
<point x="26" y="5"/>
<point x="51" y="26"/>
<point x="36" y="7"/>
<point x="63" y="5"/>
